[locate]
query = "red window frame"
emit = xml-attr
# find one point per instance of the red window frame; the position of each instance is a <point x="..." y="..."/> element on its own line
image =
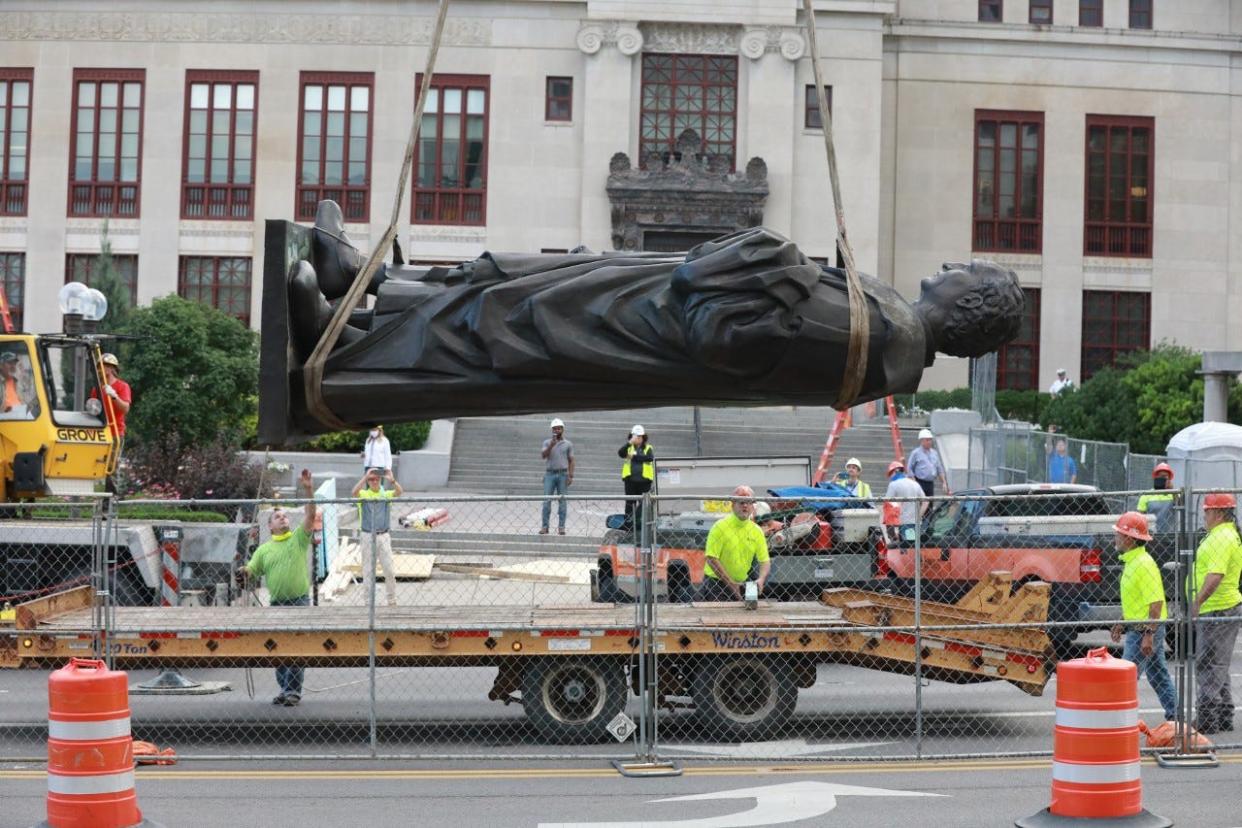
<point x="991" y="11"/>
<point x="13" y="281"/>
<point x="13" y="188"/>
<point x="93" y="196"/>
<point x="227" y="199"/>
<point x="438" y="202"/>
<point x="1091" y="13"/>
<point x="80" y="267"/>
<point x="354" y="199"/>
<point x="558" y="104"/>
<point x="1141" y="14"/>
<point x="1017" y="361"/>
<point x="1044" y="9"/>
<point x="681" y="92"/>
<point x="810" y="107"/>
<point x="992" y="231"/>
<point x="206" y="285"/>
<point x="1114" y="323"/>
<point x="1119" y="209"/>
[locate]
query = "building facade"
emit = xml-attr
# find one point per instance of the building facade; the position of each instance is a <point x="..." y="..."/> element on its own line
<point x="1094" y="146"/>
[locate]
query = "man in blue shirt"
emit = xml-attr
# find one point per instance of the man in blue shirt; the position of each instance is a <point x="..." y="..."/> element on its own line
<point x="1061" y="467"/>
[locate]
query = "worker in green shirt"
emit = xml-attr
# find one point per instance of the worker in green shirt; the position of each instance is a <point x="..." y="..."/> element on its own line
<point x="285" y="564"/>
<point x="1142" y="599"/>
<point x="1215" y="599"/>
<point x="734" y="544"/>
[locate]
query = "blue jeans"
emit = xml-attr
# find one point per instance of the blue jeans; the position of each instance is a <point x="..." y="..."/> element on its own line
<point x="290" y="678"/>
<point x="1154" y="665"/>
<point x="555" y="482"/>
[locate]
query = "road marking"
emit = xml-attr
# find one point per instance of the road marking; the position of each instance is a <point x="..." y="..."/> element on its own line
<point x="809" y="769"/>
<point x="788" y="747"/>
<point x="774" y="805"/>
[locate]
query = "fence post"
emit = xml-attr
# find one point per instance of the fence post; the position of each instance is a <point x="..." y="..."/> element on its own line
<point x="918" y="636"/>
<point x="1185" y="754"/>
<point x="648" y="762"/>
<point x="373" y="735"/>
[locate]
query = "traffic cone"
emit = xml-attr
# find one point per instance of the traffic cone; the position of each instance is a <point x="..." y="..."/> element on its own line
<point x="90" y="752"/>
<point x="1095" y="754"/>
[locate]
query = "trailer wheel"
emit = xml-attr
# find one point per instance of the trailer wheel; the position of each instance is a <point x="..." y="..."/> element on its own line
<point x="744" y="696"/>
<point x="572" y="700"/>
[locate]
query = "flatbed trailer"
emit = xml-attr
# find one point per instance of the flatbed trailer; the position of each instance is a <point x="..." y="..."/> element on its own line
<point x="574" y="665"/>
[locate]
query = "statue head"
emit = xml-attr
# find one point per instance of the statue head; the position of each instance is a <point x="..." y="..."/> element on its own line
<point x="971" y="309"/>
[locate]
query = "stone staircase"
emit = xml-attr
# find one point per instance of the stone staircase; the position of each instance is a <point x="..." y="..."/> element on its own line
<point x="501" y="455"/>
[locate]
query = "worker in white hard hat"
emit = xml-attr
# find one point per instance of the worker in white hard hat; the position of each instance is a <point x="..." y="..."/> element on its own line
<point x="852" y="483"/>
<point x="558" y="475"/>
<point x="637" y="473"/>
<point x="925" y="466"/>
<point x="1061" y="383"/>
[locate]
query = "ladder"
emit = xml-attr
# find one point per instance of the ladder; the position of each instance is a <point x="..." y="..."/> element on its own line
<point x="843" y="421"/>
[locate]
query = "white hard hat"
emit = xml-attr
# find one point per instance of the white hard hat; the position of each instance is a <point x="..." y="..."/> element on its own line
<point x="854" y="461"/>
<point x="638" y="431"/>
<point x="556" y="423"/>
<point x="762" y="509"/>
<point x="1062" y="371"/>
<point x="926" y="434"/>
<point x="110" y="359"/>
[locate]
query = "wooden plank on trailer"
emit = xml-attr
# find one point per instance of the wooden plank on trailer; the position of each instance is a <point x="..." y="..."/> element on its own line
<point x="504" y="574"/>
<point x="30" y="613"/>
<point x="406" y="567"/>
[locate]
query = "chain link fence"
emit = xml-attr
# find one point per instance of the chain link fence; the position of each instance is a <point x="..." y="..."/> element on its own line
<point x="794" y="627"/>
<point x="1013" y="452"/>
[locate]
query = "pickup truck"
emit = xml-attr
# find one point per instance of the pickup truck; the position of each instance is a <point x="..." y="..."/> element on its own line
<point x="819" y="546"/>
<point x="1058" y="533"/>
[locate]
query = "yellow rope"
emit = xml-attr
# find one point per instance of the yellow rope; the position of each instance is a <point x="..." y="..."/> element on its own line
<point x="312" y="375"/>
<point x="860" y="319"/>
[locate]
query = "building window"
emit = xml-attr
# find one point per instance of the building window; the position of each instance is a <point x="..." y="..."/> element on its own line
<point x="1090" y="12"/>
<point x="218" y="154"/>
<point x="13" y="280"/>
<point x="1017" y="361"/>
<point x="681" y="92"/>
<point x="1140" y="14"/>
<point x="221" y="282"/>
<point x="559" y="100"/>
<point x="1041" y="12"/>
<point x="107" y="142"/>
<point x="991" y="11"/>
<point x="14" y="139"/>
<point x="812" y="120"/>
<point x="1114" y="323"/>
<point x="450" y="184"/>
<point x="1120" y="162"/>
<point x="80" y="267"/>
<point x="1009" y="165"/>
<point x="334" y="155"/>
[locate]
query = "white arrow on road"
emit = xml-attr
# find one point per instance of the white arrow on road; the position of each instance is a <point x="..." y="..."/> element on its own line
<point x="774" y="805"/>
<point x="786" y="747"/>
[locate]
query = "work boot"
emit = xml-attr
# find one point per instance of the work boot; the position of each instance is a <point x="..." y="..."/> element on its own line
<point x="291" y="700"/>
<point x="280" y="699"/>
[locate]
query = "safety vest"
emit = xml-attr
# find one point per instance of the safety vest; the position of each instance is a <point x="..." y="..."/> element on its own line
<point x="1146" y="500"/>
<point x="648" y="469"/>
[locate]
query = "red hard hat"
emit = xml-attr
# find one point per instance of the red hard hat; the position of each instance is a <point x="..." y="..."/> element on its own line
<point x="896" y="465"/>
<point x="1219" y="500"/>
<point x="1134" y="525"/>
<point x="1162" y="468"/>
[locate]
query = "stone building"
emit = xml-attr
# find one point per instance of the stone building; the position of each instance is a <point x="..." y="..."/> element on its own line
<point x="1094" y="146"/>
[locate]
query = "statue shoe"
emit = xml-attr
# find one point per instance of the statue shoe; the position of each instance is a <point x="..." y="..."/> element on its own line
<point x="310" y="313"/>
<point x="334" y="256"/>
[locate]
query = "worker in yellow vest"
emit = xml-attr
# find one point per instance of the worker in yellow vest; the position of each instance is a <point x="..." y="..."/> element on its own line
<point x="637" y="472"/>
<point x="856" y="486"/>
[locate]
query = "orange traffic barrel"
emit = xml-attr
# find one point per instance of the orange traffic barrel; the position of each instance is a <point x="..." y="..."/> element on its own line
<point x="90" y="754"/>
<point x="1095" y="749"/>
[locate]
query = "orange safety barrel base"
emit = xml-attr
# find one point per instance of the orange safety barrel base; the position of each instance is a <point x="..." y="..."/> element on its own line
<point x="1047" y="819"/>
<point x="146" y="823"/>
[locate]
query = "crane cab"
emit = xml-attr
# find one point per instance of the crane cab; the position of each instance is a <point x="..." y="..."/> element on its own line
<point x="54" y="433"/>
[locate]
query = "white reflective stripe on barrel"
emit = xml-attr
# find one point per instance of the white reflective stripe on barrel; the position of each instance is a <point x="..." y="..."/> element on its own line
<point x="100" y="784"/>
<point x="1095" y="774"/>
<point x="86" y="731"/>
<point x="1097" y="719"/>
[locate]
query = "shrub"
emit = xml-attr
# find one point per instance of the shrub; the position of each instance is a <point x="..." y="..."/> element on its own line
<point x="402" y="437"/>
<point x="167" y="470"/>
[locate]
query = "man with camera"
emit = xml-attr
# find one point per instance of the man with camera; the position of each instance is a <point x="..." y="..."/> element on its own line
<point x="558" y="475"/>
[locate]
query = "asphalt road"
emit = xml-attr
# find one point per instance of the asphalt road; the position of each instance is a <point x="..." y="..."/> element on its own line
<point x="377" y="795"/>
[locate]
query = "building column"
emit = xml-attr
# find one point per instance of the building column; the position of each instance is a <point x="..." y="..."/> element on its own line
<point x="607" y="112"/>
<point x="772" y="114"/>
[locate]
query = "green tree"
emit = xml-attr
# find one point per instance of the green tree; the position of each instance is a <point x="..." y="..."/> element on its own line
<point x="108" y="280"/>
<point x="1168" y="396"/>
<point x="1102" y="408"/>
<point x="194" y="372"/>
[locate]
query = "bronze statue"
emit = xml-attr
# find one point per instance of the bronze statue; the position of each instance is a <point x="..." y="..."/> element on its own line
<point x="745" y="319"/>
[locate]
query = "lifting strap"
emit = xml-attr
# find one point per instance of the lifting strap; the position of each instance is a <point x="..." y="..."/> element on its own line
<point x="312" y="374"/>
<point x="860" y="319"/>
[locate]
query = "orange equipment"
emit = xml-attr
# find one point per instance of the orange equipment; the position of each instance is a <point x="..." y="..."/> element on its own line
<point x="1095" y="754"/>
<point x="844" y="421"/>
<point x="1133" y="524"/>
<point x="1162" y="469"/>
<point x="90" y="752"/>
<point x="1219" y="500"/>
<point x="6" y="320"/>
